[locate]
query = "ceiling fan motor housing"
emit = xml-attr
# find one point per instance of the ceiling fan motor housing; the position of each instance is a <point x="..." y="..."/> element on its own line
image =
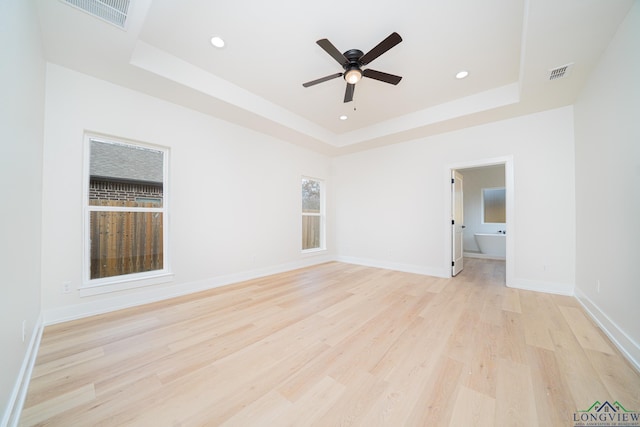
<point x="353" y="56"/>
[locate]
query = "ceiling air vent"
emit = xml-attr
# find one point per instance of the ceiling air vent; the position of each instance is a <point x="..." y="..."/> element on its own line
<point x="112" y="11"/>
<point x="560" y="72"/>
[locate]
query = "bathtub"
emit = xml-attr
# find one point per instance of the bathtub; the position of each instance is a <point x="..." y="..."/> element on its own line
<point x="494" y="245"/>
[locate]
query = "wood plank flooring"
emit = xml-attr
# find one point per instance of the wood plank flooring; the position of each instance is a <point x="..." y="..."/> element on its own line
<point x="333" y="345"/>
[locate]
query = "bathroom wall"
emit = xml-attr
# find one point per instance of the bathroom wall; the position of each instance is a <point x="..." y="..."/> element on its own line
<point x="475" y="179"/>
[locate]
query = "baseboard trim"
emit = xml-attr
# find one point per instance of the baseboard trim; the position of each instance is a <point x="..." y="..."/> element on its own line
<point x="627" y="346"/>
<point x="406" y="268"/>
<point x="149" y="295"/>
<point x="19" y="393"/>
<point x="541" y="286"/>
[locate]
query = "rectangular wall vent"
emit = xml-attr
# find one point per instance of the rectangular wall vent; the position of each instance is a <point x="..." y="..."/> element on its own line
<point x="560" y="72"/>
<point x="112" y="11"/>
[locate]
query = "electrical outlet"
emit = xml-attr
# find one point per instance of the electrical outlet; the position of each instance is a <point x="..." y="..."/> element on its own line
<point x="66" y="287"/>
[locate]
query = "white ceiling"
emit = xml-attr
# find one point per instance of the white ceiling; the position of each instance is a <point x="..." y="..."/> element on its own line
<point x="508" y="47"/>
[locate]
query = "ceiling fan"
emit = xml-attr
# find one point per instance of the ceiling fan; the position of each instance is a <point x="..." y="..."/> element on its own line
<point x="353" y="60"/>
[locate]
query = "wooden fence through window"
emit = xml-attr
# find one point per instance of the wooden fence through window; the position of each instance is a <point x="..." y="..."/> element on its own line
<point x="310" y="232"/>
<point x="125" y="242"/>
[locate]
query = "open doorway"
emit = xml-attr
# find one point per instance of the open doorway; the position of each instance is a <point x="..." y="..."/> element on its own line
<point x="481" y="213"/>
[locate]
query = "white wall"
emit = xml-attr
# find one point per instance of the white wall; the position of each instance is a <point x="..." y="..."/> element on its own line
<point x="607" y="128"/>
<point x="391" y="203"/>
<point x="234" y="193"/>
<point x="22" y="74"/>
<point x="474" y="181"/>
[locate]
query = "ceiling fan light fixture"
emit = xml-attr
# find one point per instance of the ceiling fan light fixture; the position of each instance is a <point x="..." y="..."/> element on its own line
<point x="353" y="75"/>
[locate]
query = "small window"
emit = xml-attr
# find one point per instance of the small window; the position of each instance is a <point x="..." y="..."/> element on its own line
<point x="126" y="211"/>
<point x="493" y="202"/>
<point x="312" y="214"/>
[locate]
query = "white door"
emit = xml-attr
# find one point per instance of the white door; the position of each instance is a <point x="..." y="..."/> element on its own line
<point x="457" y="219"/>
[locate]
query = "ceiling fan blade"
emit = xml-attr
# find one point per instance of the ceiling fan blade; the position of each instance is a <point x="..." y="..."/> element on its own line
<point x="383" y="77"/>
<point x="331" y="50"/>
<point x="322" y="79"/>
<point x="348" y="94"/>
<point x="381" y="48"/>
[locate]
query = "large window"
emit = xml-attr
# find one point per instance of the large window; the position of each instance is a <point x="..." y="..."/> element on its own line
<point x="312" y="214"/>
<point x="126" y="231"/>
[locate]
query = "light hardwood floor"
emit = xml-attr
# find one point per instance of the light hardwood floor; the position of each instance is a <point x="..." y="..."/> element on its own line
<point x="333" y="345"/>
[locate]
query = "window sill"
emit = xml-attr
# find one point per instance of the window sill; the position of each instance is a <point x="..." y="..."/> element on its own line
<point x="124" y="284"/>
<point x="313" y="251"/>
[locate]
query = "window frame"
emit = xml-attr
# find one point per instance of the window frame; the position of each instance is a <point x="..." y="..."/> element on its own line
<point x="132" y="280"/>
<point x="321" y="214"/>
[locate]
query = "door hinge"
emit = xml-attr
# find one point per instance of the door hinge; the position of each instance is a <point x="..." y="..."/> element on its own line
<point x="453" y="263"/>
<point x="453" y="222"/>
<point x="453" y="181"/>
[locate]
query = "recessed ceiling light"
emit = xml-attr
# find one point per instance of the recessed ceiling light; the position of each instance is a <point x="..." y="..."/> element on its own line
<point x="343" y="117"/>
<point x="462" y="74"/>
<point x="217" y="42"/>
